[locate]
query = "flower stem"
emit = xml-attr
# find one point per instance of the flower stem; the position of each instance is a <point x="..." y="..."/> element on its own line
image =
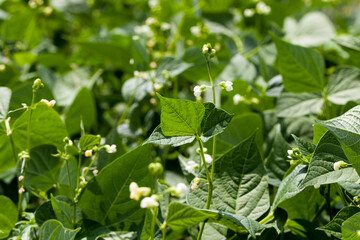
<point x="91" y="163"/>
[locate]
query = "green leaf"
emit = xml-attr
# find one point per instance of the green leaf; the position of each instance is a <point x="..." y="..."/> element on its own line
<point x="240" y="183"/>
<point x="350" y="228"/>
<point x="44" y="212"/>
<point x="334" y="226"/>
<point x="276" y="163"/>
<point x="173" y="65"/>
<point x="180" y="117"/>
<point x="54" y="230"/>
<point x="306" y="148"/>
<point x="289" y="186"/>
<point x="214" y="122"/>
<point x="321" y="168"/>
<point x="138" y="87"/>
<point x="295" y="105"/>
<point x="106" y="197"/>
<point x="8" y="216"/>
<point x="182" y="216"/>
<point x="82" y="109"/>
<point x="5" y="94"/>
<point x="148" y="230"/>
<point x="344" y="85"/>
<point x="346" y="130"/>
<point x="302" y="68"/>
<point x="89" y="141"/>
<point x="351" y="45"/>
<point x="43" y="168"/>
<point x="64" y="211"/>
<point x="157" y="137"/>
<point x="46" y="128"/>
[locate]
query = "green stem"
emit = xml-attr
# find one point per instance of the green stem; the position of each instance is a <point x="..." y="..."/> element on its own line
<point x="90" y="165"/>
<point x="328" y="202"/>
<point x="267" y="218"/>
<point x="20" y="210"/>
<point x="13" y="148"/>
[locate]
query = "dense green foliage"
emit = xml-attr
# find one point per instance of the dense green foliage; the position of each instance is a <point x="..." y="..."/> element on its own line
<point x="179" y="119"/>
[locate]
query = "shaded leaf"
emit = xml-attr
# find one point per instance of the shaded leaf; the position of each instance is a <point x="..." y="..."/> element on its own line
<point x="54" y="230"/>
<point x="157" y="137"/>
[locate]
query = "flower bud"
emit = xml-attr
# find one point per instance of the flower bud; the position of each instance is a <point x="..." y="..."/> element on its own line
<point x="2" y="67"/>
<point x="156" y="169"/>
<point x="294" y="154"/>
<point x="110" y="149"/>
<point x="21" y="178"/>
<point x="339" y="164"/>
<point x="88" y="153"/>
<point x="148" y="202"/>
<point x="37" y="85"/>
<point x="226" y="85"/>
<point x="21" y="190"/>
<point x="50" y="104"/>
<point x="7" y="125"/>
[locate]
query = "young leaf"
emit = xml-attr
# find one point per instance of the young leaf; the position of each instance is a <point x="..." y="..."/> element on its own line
<point x="89" y="141"/>
<point x="347" y="131"/>
<point x="157" y="137"/>
<point x="344" y="85"/>
<point x="64" y="212"/>
<point x="295" y="105"/>
<point x="334" y="226"/>
<point x="5" y="94"/>
<point x="54" y="230"/>
<point x="350" y="228"/>
<point x="321" y="168"/>
<point x="180" y="117"/>
<point x="44" y="212"/>
<point x="306" y="148"/>
<point x="214" y="122"/>
<point x="240" y="182"/>
<point x="106" y="197"/>
<point x="302" y="68"/>
<point x="182" y="216"/>
<point x="8" y="216"/>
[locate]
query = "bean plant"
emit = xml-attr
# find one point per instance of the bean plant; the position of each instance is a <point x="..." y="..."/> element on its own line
<point x="179" y="119"/>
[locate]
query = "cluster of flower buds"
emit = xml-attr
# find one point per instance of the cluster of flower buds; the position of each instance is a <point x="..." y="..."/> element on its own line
<point x="227" y="85"/>
<point x="208" y="51"/>
<point x="180" y="190"/>
<point x="156" y="168"/>
<point x="340" y="164"/>
<point x="37" y="85"/>
<point x="137" y="192"/>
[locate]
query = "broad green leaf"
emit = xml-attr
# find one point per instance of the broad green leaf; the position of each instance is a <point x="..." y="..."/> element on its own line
<point x="214" y="122"/>
<point x="321" y="167"/>
<point x="313" y="29"/>
<point x="347" y="131"/>
<point x="302" y="68"/>
<point x="118" y="235"/>
<point x="157" y="137"/>
<point x="351" y="45"/>
<point x="240" y="128"/>
<point x="64" y="211"/>
<point x="319" y="132"/>
<point x="44" y="212"/>
<point x="295" y="105"/>
<point x="304" y="230"/>
<point x="180" y="117"/>
<point x="106" y="197"/>
<point x="182" y="216"/>
<point x="8" y="216"/>
<point x="137" y="87"/>
<point x="54" y="230"/>
<point x="173" y="65"/>
<point x="350" y="228"/>
<point x="334" y="226"/>
<point x="276" y="162"/>
<point x="240" y="183"/>
<point x="344" y="85"/>
<point x="5" y="94"/>
<point x="82" y="109"/>
<point x="46" y="128"/>
<point x="289" y="187"/>
<point x="43" y="168"/>
<point x="238" y="68"/>
<point x="306" y="148"/>
<point x="7" y="158"/>
<point x="89" y="141"/>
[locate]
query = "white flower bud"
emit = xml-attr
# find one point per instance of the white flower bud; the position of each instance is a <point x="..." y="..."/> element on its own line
<point x="136" y="192"/>
<point x="338" y="165"/>
<point x="316" y="186"/>
<point x="21" y="190"/>
<point x="2" y="67"/>
<point x="7" y="125"/>
<point x="95" y="172"/>
<point x="250" y="12"/>
<point x="196" y="31"/>
<point x="195" y="183"/>
<point x="110" y="149"/>
<point x="262" y="8"/>
<point x="181" y="189"/>
<point x="238" y="98"/>
<point x="88" y="153"/>
<point x="49" y="103"/>
<point x="208" y="158"/>
<point x="148" y="202"/>
<point x="21" y="178"/>
<point x="226" y="85"/>
<point x="190" y="167"/>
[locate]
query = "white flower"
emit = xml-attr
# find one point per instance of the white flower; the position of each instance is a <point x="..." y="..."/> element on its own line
<point x="181" y="189"/>
<point x="289" y="152"/>
<point x="262" y="8"/>
<point x="165" y="26"/>
<point x="21" y="178"/>
<point x="2" y="67"/>
<point x="198" y="90"/>
<point x="49" y="103"/>
<point x="21" y="190"/>
<point x="136" y="192"/>
<point x="132" y="61"/>
<point x="226" y="85"/>
<point x="158" y="86"/>
<point x="249" y="12"/>
<point x="338" y="165"/>
<point x="88" y="153"/>
<point x="316" y="186"/>
<point x="195" y="30"/>
<point x="110" y="149"/>
<point x="144" y="29"/>
<point x="195" y="183"/>
<point x="205" y="49"/>
<point x="150" y="21"/>
<point x="7" y="125"/>
<point x="238" y="98"/>
<point x="95" y="172"/>
<point x="191" y="165"/>
<point x="148" y="202"/>
<point x="208" y="158"/>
